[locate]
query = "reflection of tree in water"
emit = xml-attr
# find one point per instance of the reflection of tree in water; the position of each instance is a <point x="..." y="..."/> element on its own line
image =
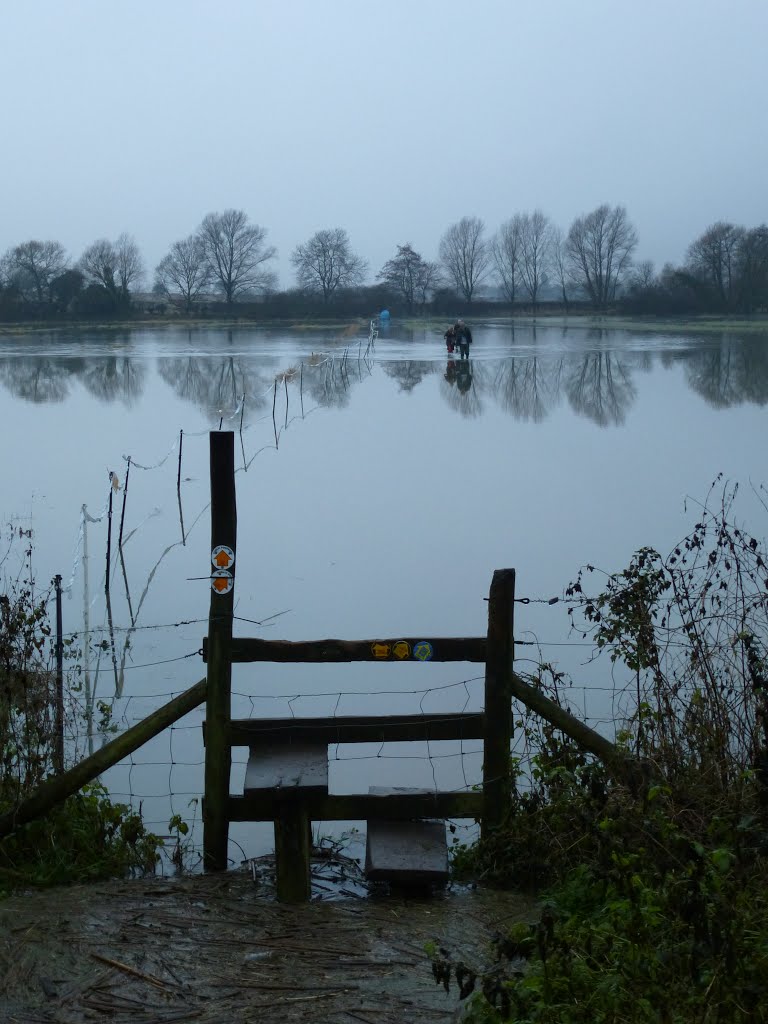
<point x="39" y="378"/>
<point x="409" y="372"/>
<point x="115" y="377"/>
<point x="217" y="384"/>
<point x="732" y="371"/>
<point x="598" y="386"/>
<point x="528" y="388"/>
<point x="329" y="380"/>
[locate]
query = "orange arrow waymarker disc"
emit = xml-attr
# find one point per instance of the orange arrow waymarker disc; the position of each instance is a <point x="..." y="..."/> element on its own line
<point x="222" y="581"/>
<point x="223" y="557"/>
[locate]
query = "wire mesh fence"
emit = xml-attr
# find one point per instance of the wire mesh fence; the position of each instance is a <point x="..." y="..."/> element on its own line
<point x="165" y="778"/>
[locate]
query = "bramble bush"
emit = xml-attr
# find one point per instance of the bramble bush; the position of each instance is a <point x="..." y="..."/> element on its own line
<point x="655" y="904"/>
<point x="87" y="837"/>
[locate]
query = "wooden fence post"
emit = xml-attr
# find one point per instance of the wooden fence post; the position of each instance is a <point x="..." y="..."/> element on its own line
<point x="58" y="747"/>
<point x="218" y="752"/>
<point x="293" y="851"/>
<point x="498" y="700"/>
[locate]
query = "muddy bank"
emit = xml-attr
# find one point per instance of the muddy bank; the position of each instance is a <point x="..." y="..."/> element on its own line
<point x="218" y="950"/>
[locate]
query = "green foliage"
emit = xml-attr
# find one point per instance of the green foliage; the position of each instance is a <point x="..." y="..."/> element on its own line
<point x="691" y="629"/>
<point x="26" y="686"/>
<point x="87" y="837"/>
<point x="553" y="815"/>
<point x="657" y="899"/>
<point x="84" y="839"/>
<point x="660" y="922"/>
<point x="182" y="848"/>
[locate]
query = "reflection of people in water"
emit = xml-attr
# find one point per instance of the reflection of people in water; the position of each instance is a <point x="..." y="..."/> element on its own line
<point x="464" y="376"/>
<point x="450" y="372"/>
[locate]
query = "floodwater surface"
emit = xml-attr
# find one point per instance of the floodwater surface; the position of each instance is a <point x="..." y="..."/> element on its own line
<point x="376" y="495"/>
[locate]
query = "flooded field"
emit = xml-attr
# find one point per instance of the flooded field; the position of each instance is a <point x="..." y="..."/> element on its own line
<point x="376" y="495"/>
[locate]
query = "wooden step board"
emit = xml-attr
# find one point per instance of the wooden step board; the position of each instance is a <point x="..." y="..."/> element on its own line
<point x="290" y="769"/>
<point x="405" y="852"/>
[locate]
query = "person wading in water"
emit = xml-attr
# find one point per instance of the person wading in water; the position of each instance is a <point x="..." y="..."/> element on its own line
<point x="463" y="337"/>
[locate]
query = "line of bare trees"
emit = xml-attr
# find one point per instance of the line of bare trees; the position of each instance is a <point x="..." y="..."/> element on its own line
<point x="227" y="259"/>
<point x="726" y="270"/>
<point x="102" y="279"/>
<point x="529" y="253"/>
<point x="226" y="254"/>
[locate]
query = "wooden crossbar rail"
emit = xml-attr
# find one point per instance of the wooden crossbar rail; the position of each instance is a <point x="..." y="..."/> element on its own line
<point x="55" y="790"/>
<point x="248" y="732"/>
<point x="404" y="649"/>
<point x="361" y="806"/>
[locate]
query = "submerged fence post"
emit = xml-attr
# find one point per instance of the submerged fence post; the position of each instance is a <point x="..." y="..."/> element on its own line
<point x="109" y="533"/>
<point x="218" y="751"/>
<point x="125" y="498"/>
<point x="59" y="747"/>
<point x="178" y="472"/>
<point x="498" y="700"/>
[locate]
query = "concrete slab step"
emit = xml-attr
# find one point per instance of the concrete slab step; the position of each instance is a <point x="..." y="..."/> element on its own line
<point x="405" y="852"/>
<point x="298" y="769"/>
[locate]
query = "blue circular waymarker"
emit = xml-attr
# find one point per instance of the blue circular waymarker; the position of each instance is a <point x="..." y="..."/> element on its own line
<point x="422" y="651"/>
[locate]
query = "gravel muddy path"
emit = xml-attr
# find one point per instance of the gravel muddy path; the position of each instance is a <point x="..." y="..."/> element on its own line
<point x="217" y="950"/>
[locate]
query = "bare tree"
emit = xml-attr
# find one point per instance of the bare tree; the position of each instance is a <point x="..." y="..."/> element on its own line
<point x="235" y="253"/>
<point x="36" y="264"/>
<point x="409" y="274"/>
<point x="712" y="258"/>
<point x="643" y="275"/>
<point x="130" y="266"/>
<point x="98" y="264"/>
<point x="184" y="272"/>
<point x="753" y="269"/>
<point x="505" y="248"/>
<point x="599" y="251"/>
<point x="427" y="281"/>
<point x="326" y="263"/>
<point x="465" y="255"/>
<point x="113" y="265"/>
<point x="535" y="252"/>
<point x="560" y="264"/>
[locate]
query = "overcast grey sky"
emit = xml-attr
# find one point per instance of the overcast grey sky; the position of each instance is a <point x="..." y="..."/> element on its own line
<point x="391" y="119"/>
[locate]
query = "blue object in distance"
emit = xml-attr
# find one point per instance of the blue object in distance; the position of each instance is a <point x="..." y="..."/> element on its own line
<point x="384" y="314"/>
